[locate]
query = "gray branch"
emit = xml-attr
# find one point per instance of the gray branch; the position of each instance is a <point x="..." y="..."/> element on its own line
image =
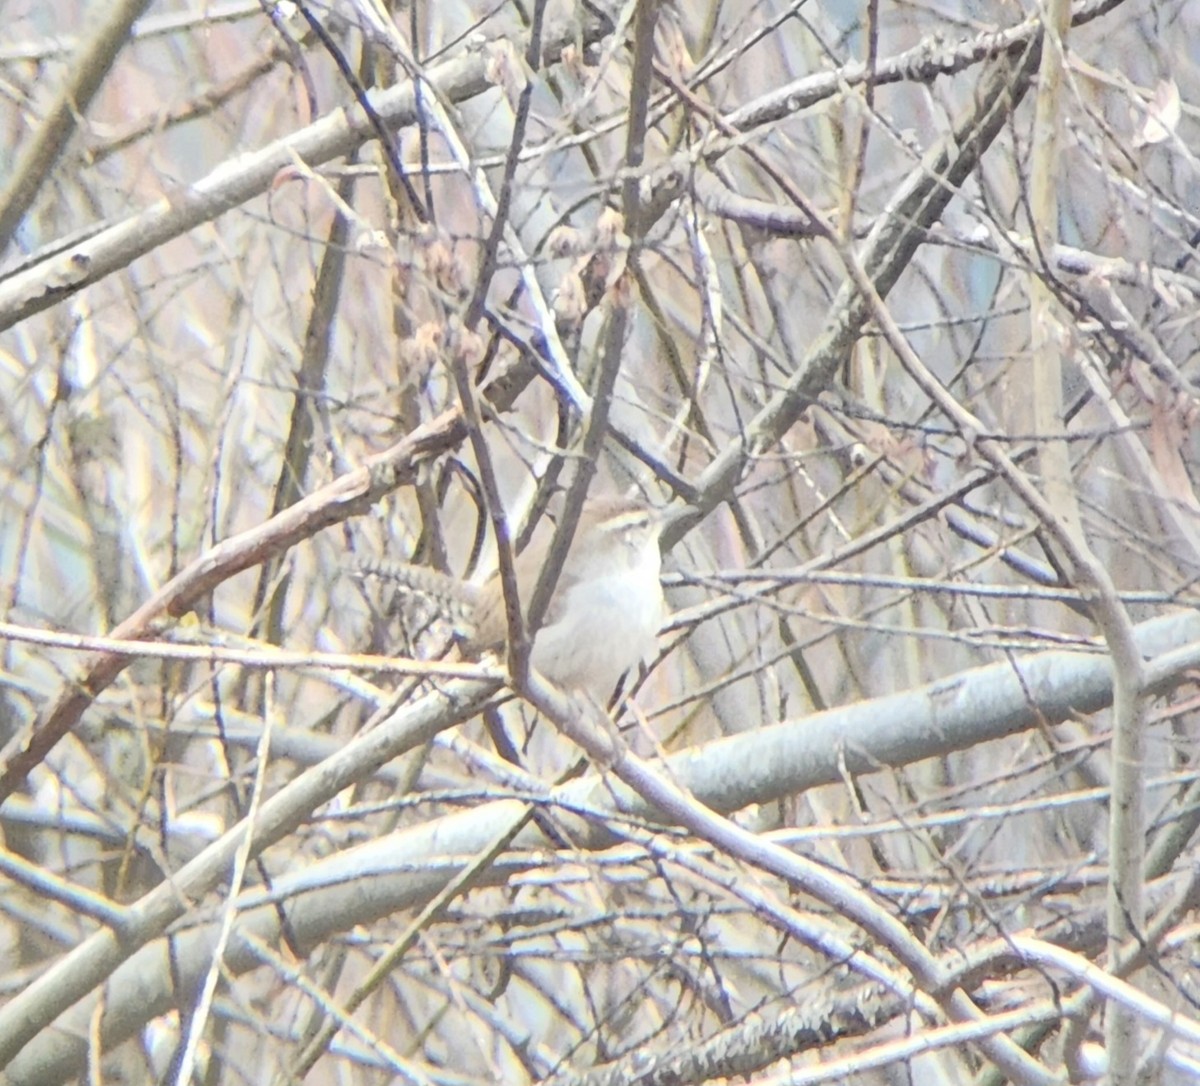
<point x="405" y="869"/>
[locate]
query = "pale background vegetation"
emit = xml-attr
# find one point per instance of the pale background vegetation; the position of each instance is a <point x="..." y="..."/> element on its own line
<point x="219" y="305"/>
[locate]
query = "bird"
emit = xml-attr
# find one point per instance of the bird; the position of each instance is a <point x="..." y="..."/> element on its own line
<point x="607" y="605"/>
<point x="605" y="611"/>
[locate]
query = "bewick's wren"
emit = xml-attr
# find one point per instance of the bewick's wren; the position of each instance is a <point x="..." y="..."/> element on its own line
<point x="607" y="604"/>
<point x="606" y="608"/>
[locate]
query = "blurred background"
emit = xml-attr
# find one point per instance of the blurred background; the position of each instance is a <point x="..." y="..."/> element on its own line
<point x="218" y="296"/>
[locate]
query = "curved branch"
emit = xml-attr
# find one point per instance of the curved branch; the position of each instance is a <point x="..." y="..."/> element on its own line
<point x="407" y="868"/>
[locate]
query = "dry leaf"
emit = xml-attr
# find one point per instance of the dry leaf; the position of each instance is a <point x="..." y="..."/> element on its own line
<point x="1163" y="112"/>
<point x="1167" y="434"/>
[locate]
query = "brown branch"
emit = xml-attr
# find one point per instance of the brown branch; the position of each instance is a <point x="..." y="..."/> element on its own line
<point x="87" y="71"/>
<point x="351" y="495"/>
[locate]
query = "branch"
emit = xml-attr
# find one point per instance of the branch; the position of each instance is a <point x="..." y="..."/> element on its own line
<point x="352" y="494"/>
<point x="86" y="71"/>
<point x="408" y="868"/>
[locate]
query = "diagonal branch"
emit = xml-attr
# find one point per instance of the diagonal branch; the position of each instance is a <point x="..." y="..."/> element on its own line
<point x="352" y="494"/>
<point x="87" y="70"/>
<point x="897" y="235"/>
<point x="408" y="868"/>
